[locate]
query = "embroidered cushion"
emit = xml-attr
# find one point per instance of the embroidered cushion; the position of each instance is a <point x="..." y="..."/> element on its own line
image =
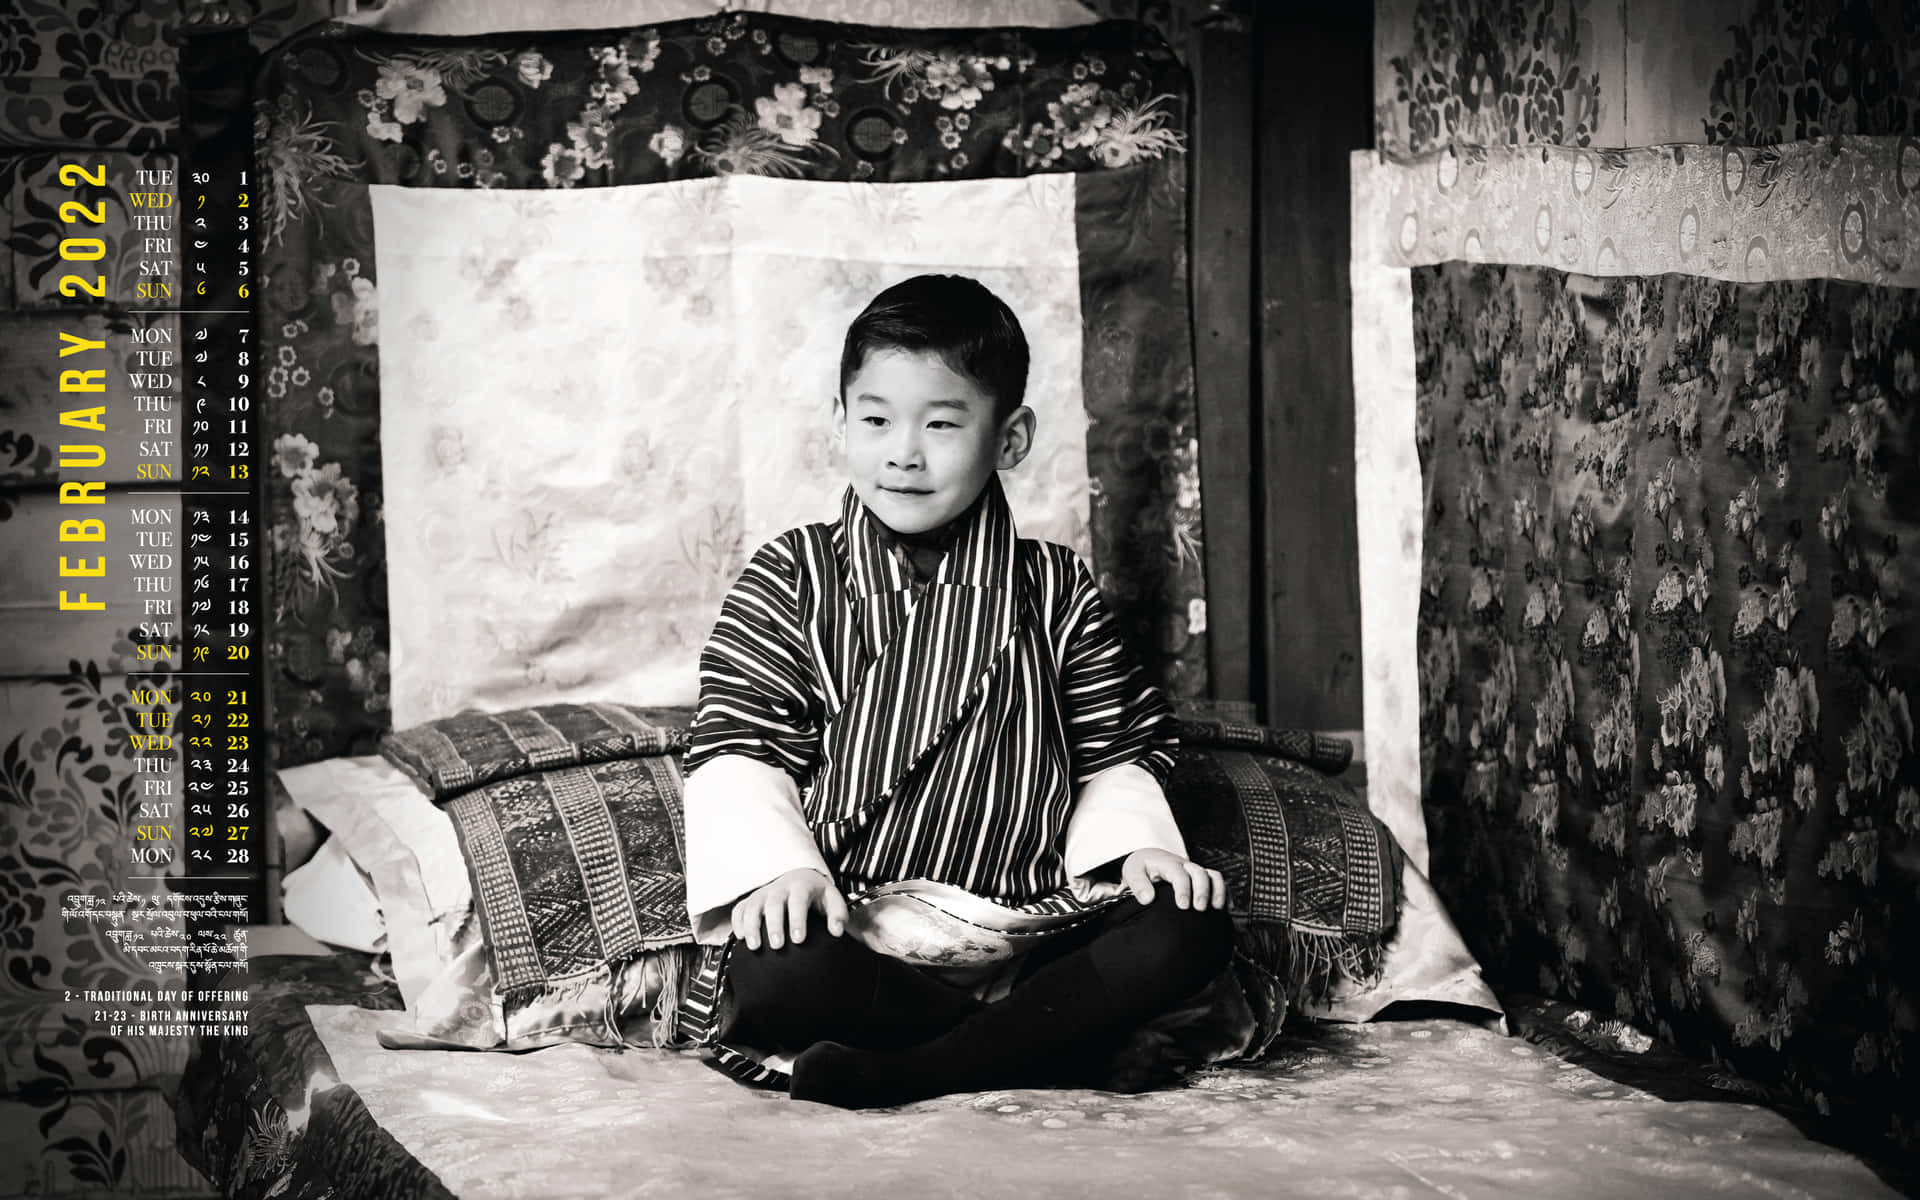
<point x="568" y="827"/>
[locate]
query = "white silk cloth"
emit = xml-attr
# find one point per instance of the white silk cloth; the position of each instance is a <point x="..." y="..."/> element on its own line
<point x="596" y="401"/>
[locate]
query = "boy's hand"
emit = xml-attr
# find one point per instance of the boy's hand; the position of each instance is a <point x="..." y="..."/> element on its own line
<point x="1194" y="886"/>
<point x="781" y="906"/>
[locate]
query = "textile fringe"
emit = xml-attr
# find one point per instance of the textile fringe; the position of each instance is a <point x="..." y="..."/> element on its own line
<point x="677" y="964"/>
<point x="1315" y="963"/>
<point x="1267" y="996"/>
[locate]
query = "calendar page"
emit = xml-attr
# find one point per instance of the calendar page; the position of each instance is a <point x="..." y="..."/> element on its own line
<point x="133" y="563"/>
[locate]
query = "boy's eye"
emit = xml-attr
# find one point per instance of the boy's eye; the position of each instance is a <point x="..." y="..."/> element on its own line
<point x="876" y="422"/>
<point x="941" y="425"/>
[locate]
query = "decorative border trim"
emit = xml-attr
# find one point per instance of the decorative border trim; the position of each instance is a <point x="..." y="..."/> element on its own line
<point x="1831" y="208"/>
<point x="1267" y="838"/>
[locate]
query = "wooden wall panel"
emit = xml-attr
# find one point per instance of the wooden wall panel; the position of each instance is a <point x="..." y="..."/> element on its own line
<point x="1315" y="92"/>
<point x="1221" y="195"/>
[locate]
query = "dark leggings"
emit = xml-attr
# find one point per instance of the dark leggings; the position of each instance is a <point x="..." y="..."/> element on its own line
<point x="1139" y="960"/>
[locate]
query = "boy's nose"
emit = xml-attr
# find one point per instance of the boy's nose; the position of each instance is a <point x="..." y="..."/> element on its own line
<point x="906" y="455"/>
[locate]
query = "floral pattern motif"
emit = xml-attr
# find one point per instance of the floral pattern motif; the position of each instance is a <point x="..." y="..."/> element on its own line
<point x="1488" y="72"/>
<point x="1800" y="70"/>
<point x="1666" y="703"/>
<point x="315" y="539"/>
<point x="68" y="801"/>
<point x="733" y="93"/>
<point x="1573" y="73"/>
<point x="94" y="73"/>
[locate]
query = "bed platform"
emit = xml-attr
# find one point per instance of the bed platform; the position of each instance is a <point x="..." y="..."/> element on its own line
<point x="310" y="1106"/>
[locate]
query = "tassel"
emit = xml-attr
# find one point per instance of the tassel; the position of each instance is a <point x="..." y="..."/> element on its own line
<point x="1313" y="964"/>
<point x="676" y="965"/>
<point x="1266" y="995"/>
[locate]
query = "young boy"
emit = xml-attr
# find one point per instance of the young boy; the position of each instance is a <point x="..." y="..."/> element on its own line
<point x="916" y="693"/>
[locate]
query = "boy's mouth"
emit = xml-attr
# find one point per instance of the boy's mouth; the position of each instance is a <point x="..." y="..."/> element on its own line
<point x="899" y="491"/>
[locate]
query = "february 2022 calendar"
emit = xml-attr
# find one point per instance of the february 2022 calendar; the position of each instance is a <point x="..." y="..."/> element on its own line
<point x="144" y="497"/>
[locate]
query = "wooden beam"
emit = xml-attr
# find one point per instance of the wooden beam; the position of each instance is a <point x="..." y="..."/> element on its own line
<point x="1315" y="106"/>
<point x="1222" y="239"/>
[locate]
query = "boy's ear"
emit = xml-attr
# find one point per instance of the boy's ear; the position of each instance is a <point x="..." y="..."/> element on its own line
<point x="839" y="417"/>
<point x="1016" y="438"/>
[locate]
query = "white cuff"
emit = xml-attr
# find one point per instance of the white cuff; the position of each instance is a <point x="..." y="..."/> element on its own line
<point x="745" y="828"/>
<point x="1118" y="811"/>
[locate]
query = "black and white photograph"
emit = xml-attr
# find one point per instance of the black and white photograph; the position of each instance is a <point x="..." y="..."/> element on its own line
<point x="959" y="598"/>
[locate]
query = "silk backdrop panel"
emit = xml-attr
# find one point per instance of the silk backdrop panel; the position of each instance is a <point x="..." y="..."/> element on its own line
<point x="564" y="523"/>
<point x="1668" y="647"/>
<point x="731" y="95"/>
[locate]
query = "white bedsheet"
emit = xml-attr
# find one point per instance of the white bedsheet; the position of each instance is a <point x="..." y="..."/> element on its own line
<point x="1412" y="1109"/>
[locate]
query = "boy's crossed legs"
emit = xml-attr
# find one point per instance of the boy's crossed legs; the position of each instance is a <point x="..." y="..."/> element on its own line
<point x="880" y="1032"/>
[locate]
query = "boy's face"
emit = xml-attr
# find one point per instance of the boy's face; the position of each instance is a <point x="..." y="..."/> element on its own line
<point x="921" y="439"/>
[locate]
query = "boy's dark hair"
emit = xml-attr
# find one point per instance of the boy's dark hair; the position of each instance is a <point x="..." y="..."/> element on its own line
<point x="953" y="316"/>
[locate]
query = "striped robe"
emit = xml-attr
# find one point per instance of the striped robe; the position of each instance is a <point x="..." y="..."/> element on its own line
<point x="991" y="733"/>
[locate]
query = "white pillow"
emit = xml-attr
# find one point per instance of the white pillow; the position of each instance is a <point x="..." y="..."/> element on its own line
<point x="328" y="898"/>
<point x="1425" y="961"/>
<point x="408" y="850"/>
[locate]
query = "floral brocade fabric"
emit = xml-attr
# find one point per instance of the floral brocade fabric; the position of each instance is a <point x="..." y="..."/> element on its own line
<point x="1667" y="658"/>
<point x="732" y="94"/>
